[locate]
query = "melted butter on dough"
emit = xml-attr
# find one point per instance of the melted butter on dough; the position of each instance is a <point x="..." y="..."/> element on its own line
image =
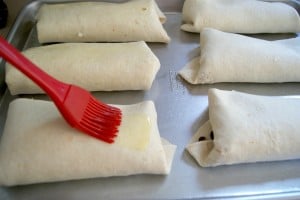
<point x="134" y="132"/>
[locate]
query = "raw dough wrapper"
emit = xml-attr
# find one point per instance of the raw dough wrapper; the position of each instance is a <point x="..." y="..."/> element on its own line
<point x="93" y="66"/>
<point x="229" y="57"/>
<point x="240" y="16"/>
<point x="136" y="20"/>
<point x="37" y="145"/>
<point x="247" y="128"/>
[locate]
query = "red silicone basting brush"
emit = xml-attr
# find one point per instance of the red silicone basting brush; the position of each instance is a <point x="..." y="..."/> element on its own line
<point x="78" y="107"/>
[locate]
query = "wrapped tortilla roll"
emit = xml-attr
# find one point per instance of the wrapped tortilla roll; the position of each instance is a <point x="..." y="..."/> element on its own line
<point x="38" y="146"/>
<point x="93" y="66"/>
<point x="244" y="128"/>
<point x="228" y="57"/>
<point x="240" y="16"/>
<point x="136" y="20"/>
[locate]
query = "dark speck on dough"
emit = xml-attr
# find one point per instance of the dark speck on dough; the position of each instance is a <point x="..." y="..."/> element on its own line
<point x="211" y="135"/>
<point x="201" y="138"/>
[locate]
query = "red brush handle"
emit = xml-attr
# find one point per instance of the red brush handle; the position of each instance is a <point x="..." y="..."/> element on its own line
<point x="53" y="87"/>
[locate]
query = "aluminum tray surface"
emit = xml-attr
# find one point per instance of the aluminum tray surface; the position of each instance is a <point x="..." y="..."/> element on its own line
<point x="182" y="108"/>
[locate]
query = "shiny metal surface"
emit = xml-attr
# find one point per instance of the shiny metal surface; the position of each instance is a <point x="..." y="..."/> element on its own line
<point x="181" y="109"/>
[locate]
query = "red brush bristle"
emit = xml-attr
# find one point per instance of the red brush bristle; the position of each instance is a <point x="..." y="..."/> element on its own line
<point x="101" y="121"/>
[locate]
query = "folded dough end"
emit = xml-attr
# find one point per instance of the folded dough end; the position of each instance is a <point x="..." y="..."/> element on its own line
<point x="201" y="144"/>
<point x="194" y="73"/>
<point x="189" y="28"/>
<point x="170" y="150"/>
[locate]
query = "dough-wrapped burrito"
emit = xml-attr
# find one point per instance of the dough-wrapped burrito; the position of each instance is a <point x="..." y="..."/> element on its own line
<point x="240" y="16"/>
<point x="93" y="66"/>
<point x="38" y="146"/>
<point x="136" y="20"/>
<point x="244" y="128"/>
<point x="229" y="57"/>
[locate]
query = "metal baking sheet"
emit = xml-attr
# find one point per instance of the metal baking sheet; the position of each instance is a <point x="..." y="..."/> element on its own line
<point x="181" y="108"/>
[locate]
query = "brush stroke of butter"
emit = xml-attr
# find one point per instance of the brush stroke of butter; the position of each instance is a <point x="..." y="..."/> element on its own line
<point x="134" y="132"/>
